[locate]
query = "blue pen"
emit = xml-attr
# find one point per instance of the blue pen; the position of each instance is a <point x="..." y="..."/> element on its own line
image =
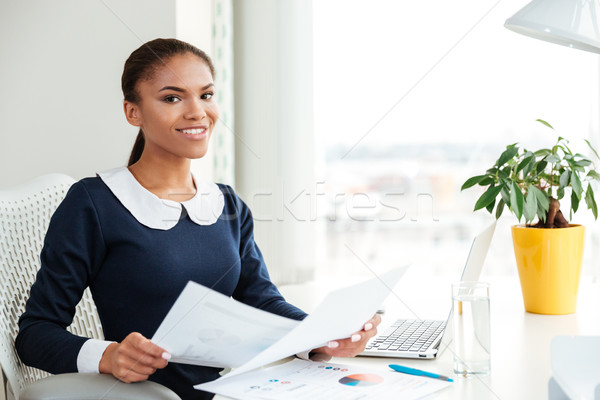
<point x="413" y="371"/>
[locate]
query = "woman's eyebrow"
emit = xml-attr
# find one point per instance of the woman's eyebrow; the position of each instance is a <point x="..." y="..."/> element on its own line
<point x="173" y="88"/>
<point x="178" y="89"/>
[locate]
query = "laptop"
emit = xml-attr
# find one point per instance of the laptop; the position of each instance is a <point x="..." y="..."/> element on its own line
<point x="416" y="338"/>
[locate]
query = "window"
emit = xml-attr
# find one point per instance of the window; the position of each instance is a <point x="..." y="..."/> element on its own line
<point x="411" y="99"/>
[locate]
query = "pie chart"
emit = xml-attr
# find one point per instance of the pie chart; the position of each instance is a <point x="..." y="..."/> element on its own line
<point x="361" y="380"/>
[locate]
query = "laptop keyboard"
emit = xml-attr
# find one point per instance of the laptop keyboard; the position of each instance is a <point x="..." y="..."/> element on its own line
<point x="408" y="335"/>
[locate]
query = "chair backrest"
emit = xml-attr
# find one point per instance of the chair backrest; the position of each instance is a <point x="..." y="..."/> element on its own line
<point x="25" y="212"/>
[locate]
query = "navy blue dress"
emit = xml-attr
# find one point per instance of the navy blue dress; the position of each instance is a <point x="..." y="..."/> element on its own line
<point x="135" y="274"/>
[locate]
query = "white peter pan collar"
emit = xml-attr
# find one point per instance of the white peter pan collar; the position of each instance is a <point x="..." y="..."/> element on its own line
<point x="204" y="208"/>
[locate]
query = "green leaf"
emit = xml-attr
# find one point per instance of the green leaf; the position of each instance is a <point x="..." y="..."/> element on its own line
<point x="565" y="177"/>
<point x="583" y="163"/>
<point x="541" y="214"/>
<point x="487" y="197"/>
<point x="592" y="148"/>
<point x="500" y="208"/>
<point x="540" y="166"/>
<point x="490" y="207"/>
<point x="529" y="167"/>
<point x="516" y="200"/>
<point x="488" y="180"/>
<point x="472" y="181"/>
<point x="574" y="203"/>
<point x="530" y="205"/>
<point x="576" y="185"/>
<point x="508" y="154"/>
<point x="564" y="148"/>
<point x="593" y="175"/>
<point x="542" y="198"/>
<point x="542" y="152"/>
<point x="504" y="173"/>
<point x="553" y="158"/>
<point x="566" y="151"/>
<point x="591" y="202"/>
<point x="525" y="162"/>
<point x="505" y="192"/>
<point x="545" y="123"/>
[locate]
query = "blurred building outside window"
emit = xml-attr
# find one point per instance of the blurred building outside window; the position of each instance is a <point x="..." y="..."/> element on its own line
<point x="413" y="98"/>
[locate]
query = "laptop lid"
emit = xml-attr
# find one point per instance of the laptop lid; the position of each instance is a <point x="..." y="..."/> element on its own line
<point x="477" y="254"/>
<point x="433" y="347"/>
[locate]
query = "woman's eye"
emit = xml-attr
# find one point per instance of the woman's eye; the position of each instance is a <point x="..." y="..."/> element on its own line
<point x="171" y="99"/>
<point x="207" y="96"/>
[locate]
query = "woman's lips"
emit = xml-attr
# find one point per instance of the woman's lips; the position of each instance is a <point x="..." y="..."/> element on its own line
<point x="194" y="133"/>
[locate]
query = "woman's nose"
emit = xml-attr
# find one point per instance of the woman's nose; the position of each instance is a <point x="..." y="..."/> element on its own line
<point x="195" y="111"/>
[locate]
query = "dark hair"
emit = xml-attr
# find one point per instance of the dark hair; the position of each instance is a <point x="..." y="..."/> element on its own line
<point x="142" y="64"/>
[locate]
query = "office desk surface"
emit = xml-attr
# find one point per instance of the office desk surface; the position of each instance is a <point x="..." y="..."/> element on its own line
<point x="520" y="351"/>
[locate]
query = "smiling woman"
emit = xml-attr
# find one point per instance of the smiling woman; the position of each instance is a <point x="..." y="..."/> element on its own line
<point x="186" y="80"/>
<point x="137" y="235"/>
<point x="176" y="113"/>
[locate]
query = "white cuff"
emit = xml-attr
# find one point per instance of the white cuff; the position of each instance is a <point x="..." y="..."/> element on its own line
<point x="305" y="355"/>
<point x="90" y="354"/>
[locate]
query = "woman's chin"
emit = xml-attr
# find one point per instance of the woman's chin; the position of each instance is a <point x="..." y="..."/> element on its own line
<point x="197" y="154"/>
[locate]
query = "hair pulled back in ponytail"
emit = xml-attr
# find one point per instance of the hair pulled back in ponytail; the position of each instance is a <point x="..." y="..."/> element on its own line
<point x="142" y="64"/>
<point x="138" y="148"/>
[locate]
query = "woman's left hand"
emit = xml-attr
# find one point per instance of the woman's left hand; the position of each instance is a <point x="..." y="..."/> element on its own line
<point x="353" y="345"/>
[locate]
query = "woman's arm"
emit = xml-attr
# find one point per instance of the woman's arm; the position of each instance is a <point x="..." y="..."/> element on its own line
<point x="73" y="248"/>
<point x="254" y="286"/>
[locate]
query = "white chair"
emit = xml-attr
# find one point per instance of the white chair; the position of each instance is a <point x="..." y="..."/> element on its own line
<point x="25" y="212"/>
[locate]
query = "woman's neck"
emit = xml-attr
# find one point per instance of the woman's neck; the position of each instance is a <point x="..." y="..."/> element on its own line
<point x="171" y="181"/>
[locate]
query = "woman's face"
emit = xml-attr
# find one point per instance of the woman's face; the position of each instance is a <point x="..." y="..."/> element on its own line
<point x="177" y="110"/>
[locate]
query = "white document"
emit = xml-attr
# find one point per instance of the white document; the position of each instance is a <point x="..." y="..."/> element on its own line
<point x="207" y="328"/>
<point x="342" y="313"/>
<point x="300" y="379"/>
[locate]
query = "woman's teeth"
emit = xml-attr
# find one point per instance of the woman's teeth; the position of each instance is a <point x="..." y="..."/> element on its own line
<point x="193" y="131"/>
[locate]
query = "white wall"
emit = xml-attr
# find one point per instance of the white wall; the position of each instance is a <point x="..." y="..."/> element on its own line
<point x="274" y="130"/>
<point x="61" y="63"/>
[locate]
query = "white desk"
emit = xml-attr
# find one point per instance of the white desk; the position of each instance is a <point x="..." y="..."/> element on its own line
<point x="520" y="340"/>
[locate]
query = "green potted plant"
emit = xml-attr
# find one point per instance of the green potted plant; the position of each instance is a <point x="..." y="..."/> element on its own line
<point x="548" y="249"/>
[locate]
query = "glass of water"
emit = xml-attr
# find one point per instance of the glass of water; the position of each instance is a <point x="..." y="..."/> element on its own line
<point x="471" y="326"/>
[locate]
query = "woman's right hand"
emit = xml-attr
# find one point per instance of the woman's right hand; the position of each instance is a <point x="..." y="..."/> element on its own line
<point x="134" y="359"/>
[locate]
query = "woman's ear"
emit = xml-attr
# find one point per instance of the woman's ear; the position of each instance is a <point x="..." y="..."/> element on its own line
<point x="132" y="113"/>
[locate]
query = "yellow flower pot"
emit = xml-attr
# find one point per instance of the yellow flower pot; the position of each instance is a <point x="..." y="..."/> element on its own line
<point x="549" y="264"/>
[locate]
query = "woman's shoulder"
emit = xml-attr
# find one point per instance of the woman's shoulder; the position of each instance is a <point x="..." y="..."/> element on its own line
<point x="232" y="199"/>
<point x="91" y="185"/>
<point x="226" y="189"/>
<point x="90" y="190"/>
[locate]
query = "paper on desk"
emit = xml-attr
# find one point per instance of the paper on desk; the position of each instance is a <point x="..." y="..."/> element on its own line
<point x="205" y="327"/>
<point x="300" y="379"/>
<point x="342" y="313"/>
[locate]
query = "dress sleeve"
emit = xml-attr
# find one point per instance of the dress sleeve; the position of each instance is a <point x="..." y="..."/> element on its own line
<point x="255" y="287"/>
<point x="73" y="248"/>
